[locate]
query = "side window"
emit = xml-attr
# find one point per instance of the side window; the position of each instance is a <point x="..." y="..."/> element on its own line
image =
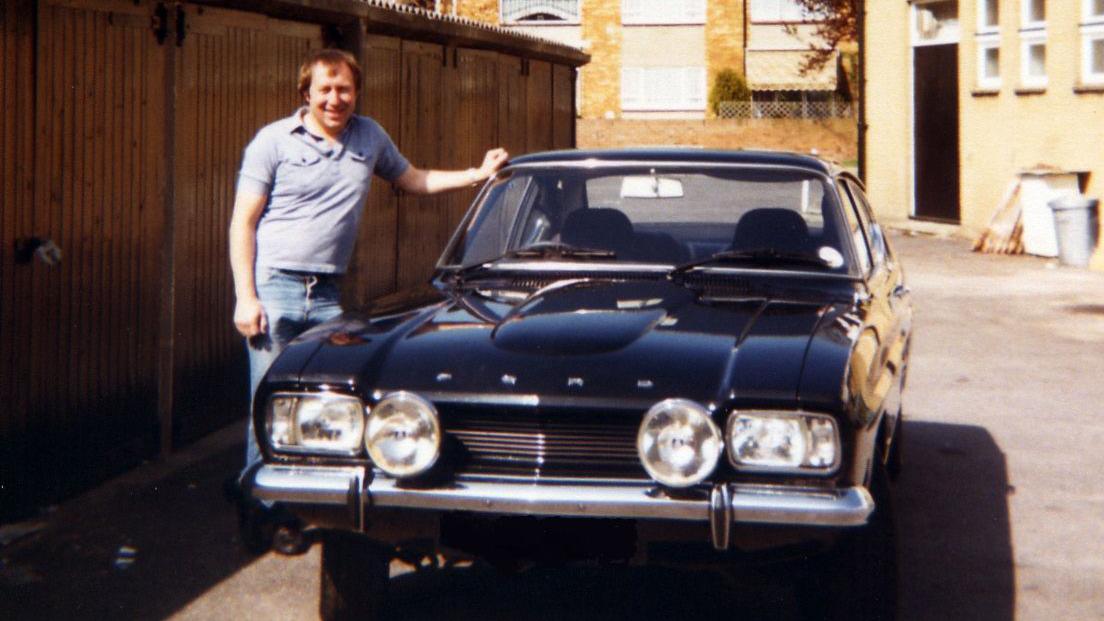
<point x="866" y="216"/>
<point x="854" y="227"/>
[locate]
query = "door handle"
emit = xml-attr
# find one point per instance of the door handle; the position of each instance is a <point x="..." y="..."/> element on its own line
<point x="901" y="291"/>
<point x="28" y="249"/>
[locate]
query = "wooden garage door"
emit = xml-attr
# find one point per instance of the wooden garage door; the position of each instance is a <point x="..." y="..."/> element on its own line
<point x="86" y="334"/>
<point x="235" y="73"/>
<point x="17" y="19"/>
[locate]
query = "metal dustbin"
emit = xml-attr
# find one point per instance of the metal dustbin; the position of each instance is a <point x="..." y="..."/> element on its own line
<point x="1075" y="222"/>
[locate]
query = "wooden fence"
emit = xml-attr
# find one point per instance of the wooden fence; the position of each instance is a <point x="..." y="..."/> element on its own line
<point x="123" y="127"/>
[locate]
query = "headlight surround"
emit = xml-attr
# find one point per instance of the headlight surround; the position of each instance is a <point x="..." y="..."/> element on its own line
<point x="678" y="443"/>
<point x="323" y="422"/>
<point x="403" y="435"/>
<point x="783" y="442"/>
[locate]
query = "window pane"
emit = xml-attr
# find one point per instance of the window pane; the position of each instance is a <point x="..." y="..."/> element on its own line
<point x="1036" y="60"/>
<point x="1097" y="8"/>
<point x="1098" y="56"/>
<point x="1036" y="11"/>
<point x="992" y="15"/>
<point x="662" y="11"/>
<point x="992" y="62"/>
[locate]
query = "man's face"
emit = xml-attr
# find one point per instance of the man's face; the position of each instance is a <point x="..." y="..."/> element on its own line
<point x="332" y="96"/>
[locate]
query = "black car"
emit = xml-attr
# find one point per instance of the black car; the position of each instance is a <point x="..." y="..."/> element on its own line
<point x="632" y="356"/>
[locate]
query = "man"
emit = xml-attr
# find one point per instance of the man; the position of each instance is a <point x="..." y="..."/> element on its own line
<point x="301" y="191"/>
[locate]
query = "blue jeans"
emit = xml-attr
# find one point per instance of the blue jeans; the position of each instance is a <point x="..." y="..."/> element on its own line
<point x="293" y="303"/>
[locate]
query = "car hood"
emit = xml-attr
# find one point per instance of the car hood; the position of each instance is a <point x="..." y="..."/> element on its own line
<point x="635" y="341"/>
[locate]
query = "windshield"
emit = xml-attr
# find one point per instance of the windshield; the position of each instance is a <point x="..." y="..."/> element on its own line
<point x="691" y="216"/>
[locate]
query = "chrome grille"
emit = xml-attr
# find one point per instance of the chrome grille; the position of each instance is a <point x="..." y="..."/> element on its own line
<point x="528" y="442"/>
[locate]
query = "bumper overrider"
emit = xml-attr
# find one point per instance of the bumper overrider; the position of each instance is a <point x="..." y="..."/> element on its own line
<point x="722" y="505"/>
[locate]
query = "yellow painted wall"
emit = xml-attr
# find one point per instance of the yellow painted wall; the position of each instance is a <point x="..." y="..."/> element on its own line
<point x="1002" y="133"/>
<point x="888" y="101"/>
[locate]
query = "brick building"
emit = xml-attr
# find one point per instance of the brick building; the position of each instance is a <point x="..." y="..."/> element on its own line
<point x="657" y="59"/>
<point x="966" y="96"/>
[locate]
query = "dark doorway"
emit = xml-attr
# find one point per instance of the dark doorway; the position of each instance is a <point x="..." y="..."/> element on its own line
<point x="935" y="92"/>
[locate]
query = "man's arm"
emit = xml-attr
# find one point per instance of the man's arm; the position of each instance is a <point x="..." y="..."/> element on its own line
<point x="249" y="315"/>
<point x="417" y="181"/>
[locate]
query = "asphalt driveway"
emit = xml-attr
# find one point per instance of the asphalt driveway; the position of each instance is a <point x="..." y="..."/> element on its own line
<point x="1000" y="507"/>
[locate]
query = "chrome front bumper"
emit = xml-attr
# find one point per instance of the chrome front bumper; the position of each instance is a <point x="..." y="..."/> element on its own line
<point x="722" y="506"/>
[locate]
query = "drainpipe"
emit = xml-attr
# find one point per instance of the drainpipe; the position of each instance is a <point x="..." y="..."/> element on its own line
<point x="860" y="23"/>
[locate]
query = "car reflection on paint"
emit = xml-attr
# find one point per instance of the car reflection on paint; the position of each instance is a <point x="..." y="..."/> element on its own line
<point x="623" y="356"/>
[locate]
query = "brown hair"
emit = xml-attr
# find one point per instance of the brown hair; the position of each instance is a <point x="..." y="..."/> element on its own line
<point x="329" y="57"/>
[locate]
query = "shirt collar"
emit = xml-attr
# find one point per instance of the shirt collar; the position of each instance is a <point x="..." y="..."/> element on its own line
<point x="296" y="125"/>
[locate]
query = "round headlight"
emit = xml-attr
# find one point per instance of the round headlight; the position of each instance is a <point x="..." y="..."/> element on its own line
<point x="678" y="443"/>
<point x="403" y="435"/>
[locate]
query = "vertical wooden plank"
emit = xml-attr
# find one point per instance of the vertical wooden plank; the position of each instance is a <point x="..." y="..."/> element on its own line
<point x="421" y="223"/>
<point x="372" y="270"/>
<point x="539" y="102"/>
<point x="563" y="107"/>
<point x="157" y="163"/>
<point x="512" y="119"/>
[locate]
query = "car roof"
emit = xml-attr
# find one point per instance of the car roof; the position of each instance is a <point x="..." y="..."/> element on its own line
<point x="688" y="155"/>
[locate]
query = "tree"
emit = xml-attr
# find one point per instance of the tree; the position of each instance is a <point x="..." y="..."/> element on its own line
<point x="837" y="22"/>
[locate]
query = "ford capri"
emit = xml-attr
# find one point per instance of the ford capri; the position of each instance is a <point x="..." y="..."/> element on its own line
<point x="624" y="356"/>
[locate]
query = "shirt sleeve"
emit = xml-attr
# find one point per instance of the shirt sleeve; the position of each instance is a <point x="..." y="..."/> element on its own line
<point x="390" y="164"/>
<point x="258" y="168"/>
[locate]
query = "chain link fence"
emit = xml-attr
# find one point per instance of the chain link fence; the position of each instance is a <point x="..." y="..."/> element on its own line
<point x="831" y="109"/>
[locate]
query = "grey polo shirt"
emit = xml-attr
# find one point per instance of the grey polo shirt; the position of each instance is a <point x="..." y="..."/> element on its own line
<point x="316" y="190"/>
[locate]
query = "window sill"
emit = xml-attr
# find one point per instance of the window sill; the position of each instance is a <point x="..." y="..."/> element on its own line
<point x="1030" y="90"/>
<point x="1088" y="88"/>
<point x="985" y="91"/>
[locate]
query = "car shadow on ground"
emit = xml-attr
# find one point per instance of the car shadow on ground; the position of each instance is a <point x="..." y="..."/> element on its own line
<point x="954" y="553"/>
<point x="955" y="539"/>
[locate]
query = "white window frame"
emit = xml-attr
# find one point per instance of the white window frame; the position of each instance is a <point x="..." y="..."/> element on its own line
<point x="541" y="22"/>
<point x="662" y="12"/>
<point x="986" y="42"/>
<point x="636" y="82"/>
<point x="1087" y="16"/>
<point x="1025" y="16"/>
<point x="1090" y="34"/>
<point x="1092" y="30"/>
<point x="779" y="12"/>
<point x="948" y="31"/>
<point x="1029" y="39"/>
<point x="983" y="17"/>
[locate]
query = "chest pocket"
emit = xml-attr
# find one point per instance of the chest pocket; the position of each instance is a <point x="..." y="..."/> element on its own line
<point x="357" y="166"/>
<point x="299" y="172"/>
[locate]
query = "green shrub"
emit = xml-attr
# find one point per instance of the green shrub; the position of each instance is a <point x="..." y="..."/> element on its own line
<point x="728" y="86"/>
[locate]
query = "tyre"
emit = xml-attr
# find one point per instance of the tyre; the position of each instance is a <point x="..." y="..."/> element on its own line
<point x="354" y="575"/>
<point x="858" y="579"/>
<point x="896" y="463"/>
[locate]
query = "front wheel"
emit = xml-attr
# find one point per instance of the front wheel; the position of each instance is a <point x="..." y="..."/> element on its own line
<point x="858" y="579"/>
<point x="354" y="576"/>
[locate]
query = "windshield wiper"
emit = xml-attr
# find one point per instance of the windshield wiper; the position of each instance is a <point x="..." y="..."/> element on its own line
<point x="546" y="250"/>
<point x="541" y="250"/>
<point x="759" y="256"/>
